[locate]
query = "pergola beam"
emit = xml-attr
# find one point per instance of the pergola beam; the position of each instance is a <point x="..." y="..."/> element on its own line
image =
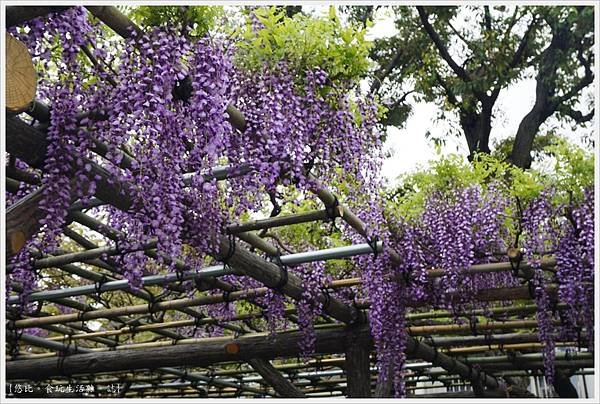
<point x="205" y="352"/>
<point x="80" y="351"/>
<point x="16" y="15"/>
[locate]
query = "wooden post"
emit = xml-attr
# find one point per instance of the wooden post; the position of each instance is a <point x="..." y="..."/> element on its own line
<point x="283" y="387"/>
<point x="384" y="388"/>
<point x="21" y="80"/>
<point x="357" y="367"/>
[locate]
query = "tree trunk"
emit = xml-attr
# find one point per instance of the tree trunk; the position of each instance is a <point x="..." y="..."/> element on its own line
<point x="477" y="128"/>
<point x="545" y="104"/>
<point x="528" y="128"/>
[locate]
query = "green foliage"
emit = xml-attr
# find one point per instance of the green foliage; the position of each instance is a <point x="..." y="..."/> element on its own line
<point x="303" y="42"/>
<point x="573" y="171"/>
<point x="200" y="19"/>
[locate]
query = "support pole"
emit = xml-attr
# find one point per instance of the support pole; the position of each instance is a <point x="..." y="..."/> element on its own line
<point x="358" y="368"/>
<point x="282" y="386"/>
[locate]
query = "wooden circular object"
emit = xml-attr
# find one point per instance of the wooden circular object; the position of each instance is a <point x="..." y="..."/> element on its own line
<point x="21" y="81"/>
<point x="232" y="348"/>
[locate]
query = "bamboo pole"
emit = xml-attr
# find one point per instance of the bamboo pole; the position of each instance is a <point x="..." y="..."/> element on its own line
<point x="139" y="309"/>
<point x="504" y="347"/>
<point x="272" y="278"/>
<point x="279" y="221"/>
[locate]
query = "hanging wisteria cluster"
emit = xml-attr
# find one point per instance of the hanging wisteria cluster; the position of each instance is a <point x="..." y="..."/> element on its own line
<point x="464" y="226"/>
<point x="160" y="111"/>
<point x="164" y="101"/>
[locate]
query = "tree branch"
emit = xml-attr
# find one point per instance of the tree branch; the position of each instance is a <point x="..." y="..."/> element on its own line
<point x="460" y="72"/>
<point x="391" y="65"/>
<point x="585" y="81"/>
<point x="523" y="44"/>
<point x="449" y="94"/>
<point x="577" y="116"/>
<point x="511" y="24"/>
<point x="487" y="18"/>
<point x="460" y="36"/>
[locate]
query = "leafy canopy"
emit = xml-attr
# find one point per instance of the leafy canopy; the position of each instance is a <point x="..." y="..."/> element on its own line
<point x="572" y="171"/>
<point x="303" y="42"/>
<point x="199" y="19"/>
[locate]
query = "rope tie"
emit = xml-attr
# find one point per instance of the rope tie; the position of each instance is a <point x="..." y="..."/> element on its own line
<point x="325" y="291"/>
<point x="226" y="298"/>
<point x="134" y="331"/>
<point x="197" y="324"/>
<point x="531" y="289"/>
<point x="179" y="276"/>
<point x="283" y="274"/>
<point x="372" y="242"/>
<point x="473" y="324"/>
<point x="62" y="355"/>
<point x="14" y="345"/>
<point x="330" y="208"/>
<point x="332" y="213"/>
<point x="98" y="289"/>
<point x="515" y="266"/>
<point x="81" y="315"/>
<point x="98" y="285"/>
<point x="230" y="249"/>
<point x="511" y="355"/>
<point x="488" y="340"/>
<point x="152" y="302"/>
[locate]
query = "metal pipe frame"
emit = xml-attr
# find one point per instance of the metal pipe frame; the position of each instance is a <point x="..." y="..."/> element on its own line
<point x="212" y="271"/>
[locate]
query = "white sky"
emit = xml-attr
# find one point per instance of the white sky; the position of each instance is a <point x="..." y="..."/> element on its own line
<point x="408" y="146"/>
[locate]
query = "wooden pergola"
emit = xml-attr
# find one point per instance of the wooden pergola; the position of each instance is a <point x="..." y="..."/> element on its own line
<point x="482" y="359"/>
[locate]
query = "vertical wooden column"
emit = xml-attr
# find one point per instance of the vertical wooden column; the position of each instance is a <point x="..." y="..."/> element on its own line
<point x="358" y="366"/>
<point x="384" y="389"/>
